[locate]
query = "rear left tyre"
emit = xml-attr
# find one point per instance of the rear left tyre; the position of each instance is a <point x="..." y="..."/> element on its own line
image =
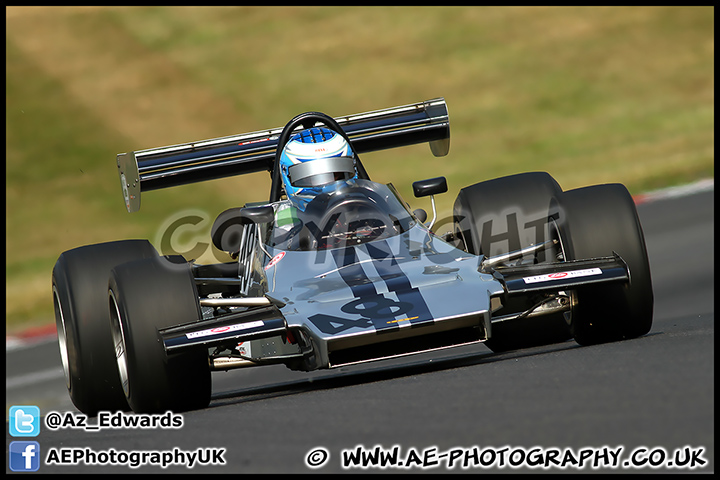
<point x="503" y="215"/>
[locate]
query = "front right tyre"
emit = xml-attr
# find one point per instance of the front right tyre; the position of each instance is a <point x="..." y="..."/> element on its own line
<point x="145" y="297"/>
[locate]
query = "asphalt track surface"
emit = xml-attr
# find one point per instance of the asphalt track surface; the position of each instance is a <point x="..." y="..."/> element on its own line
<point x="652" y="396"/>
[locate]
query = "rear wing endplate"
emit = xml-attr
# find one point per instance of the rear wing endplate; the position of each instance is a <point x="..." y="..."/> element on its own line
<point x="163" y="167"/>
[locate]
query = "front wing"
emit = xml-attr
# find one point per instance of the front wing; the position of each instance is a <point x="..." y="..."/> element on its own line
<point x="321" y="347"/>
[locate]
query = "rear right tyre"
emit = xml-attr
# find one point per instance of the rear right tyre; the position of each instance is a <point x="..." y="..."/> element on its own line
<point x="80" y="289"/>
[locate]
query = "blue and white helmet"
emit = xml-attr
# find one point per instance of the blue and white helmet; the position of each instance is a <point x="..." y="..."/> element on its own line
<point x="315" y="161"/>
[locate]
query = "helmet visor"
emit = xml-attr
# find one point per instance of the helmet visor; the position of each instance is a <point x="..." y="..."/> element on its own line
<point x="321" y="171"/>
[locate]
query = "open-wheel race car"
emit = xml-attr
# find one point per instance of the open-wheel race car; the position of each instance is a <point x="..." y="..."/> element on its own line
<point x="335" y="269"/>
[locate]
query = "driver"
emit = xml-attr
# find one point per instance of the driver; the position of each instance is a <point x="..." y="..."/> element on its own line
<point x="319" y="162"/>
<point x="314" y="161"/>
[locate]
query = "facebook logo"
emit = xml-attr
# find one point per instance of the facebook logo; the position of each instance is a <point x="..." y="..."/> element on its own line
<point x="24" y="421"/>
<point x="24" y="456"/>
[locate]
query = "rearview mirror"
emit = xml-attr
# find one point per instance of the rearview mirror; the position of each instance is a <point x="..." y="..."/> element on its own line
<point x="431" y="186"/>
<point x="262" y="214"/>
<point x="226" y="233"/>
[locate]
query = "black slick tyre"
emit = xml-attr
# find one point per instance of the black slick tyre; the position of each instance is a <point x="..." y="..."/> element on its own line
<point x="602" y="220"/>
<point x="145" y="297"/>
<point x="503" y="215"/>
<point x="79" y="286"/>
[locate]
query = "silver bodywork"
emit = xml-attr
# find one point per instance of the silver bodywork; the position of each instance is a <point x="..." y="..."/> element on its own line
<point x="363" y="299"/>
<point x="409" y="285"/>
<point x="371" y="296"/>
<point x="340" y="303"/>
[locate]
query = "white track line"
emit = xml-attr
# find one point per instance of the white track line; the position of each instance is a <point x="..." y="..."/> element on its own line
<point x="700" y="186"/>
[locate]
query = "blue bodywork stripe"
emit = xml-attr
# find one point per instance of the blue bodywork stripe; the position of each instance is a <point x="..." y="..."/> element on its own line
<point x="362" y="288"/>
<point x="385" y="313"/>
<point x="387" y="266"/>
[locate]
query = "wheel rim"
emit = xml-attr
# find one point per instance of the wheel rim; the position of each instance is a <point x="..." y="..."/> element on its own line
<point x="62" y="336"/>
<point x="118" y="336"/>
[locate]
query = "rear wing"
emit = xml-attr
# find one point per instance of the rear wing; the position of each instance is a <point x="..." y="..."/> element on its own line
<point x="163" y="167"/>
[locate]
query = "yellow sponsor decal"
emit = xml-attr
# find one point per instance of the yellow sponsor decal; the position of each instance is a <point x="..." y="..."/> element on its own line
<point x="401" y="320"/>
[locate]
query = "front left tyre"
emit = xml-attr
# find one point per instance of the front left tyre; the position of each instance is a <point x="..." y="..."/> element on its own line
<point x="597" y="221"/>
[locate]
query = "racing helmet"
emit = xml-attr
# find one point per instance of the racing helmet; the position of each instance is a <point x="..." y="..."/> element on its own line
<point x="314" y="161"/>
